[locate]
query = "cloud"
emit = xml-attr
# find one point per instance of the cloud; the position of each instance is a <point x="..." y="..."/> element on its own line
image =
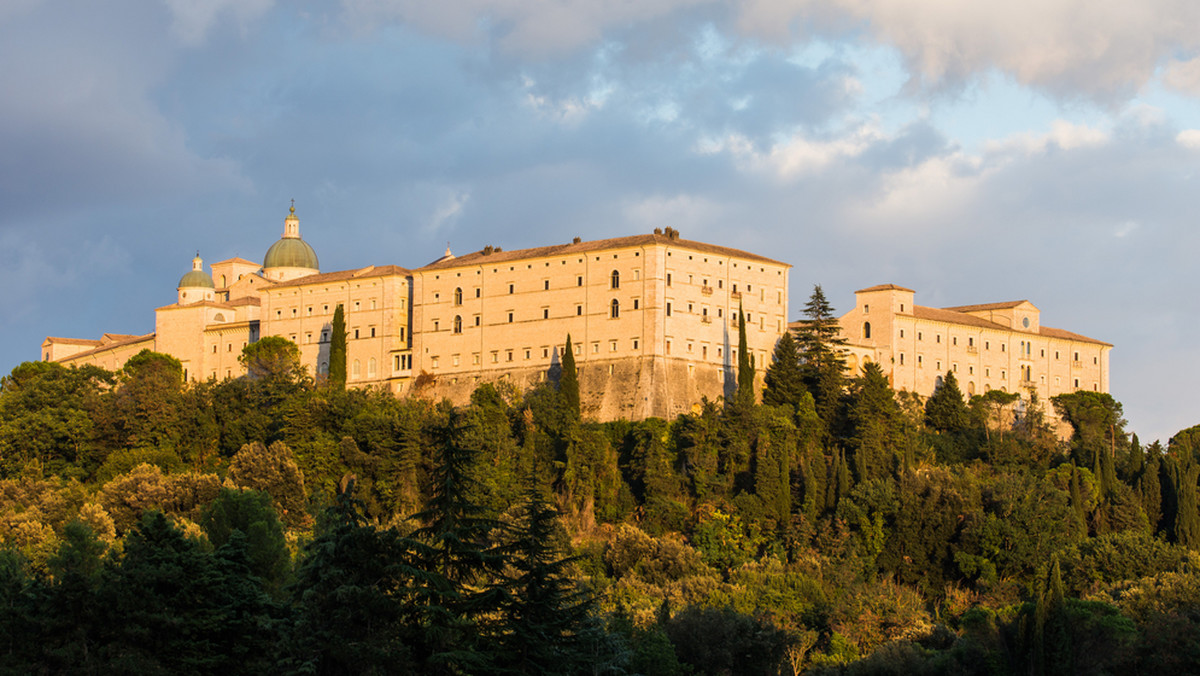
<point x="192" y="19"/>
<point x="1101" y="51"/>
<point x="1189" y="138"/>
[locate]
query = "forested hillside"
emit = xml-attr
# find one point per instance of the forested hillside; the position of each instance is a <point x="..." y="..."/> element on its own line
<point x="267" y="524"/>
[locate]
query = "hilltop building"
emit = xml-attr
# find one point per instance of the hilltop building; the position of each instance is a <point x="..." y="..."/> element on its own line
<point x="1001" y="346"/>
<point x="652" y="319"/>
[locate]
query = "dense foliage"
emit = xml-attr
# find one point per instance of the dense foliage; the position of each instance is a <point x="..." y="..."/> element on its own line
<point x="273" y="524"/>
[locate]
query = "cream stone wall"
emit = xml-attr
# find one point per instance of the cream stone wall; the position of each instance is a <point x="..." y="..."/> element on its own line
<point x="993" y="346"/>
<point x="652" y="319"/>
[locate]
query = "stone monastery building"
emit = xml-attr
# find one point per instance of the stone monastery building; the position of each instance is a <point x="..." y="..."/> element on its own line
<point x="994" y="346"/>
<point x="652" y="319"/>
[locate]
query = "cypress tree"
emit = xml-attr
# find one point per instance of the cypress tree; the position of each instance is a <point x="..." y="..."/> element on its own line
<point x="337" y="350"/>
<point x="745" y="375"/>
<point x="1150" y="487"/>
<point x="568" y="384"/>
<point x="1187" y="511"/>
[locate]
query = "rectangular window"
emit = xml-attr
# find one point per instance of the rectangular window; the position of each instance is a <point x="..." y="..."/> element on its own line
<point x="612" y="346"/>
<point x="668" y="309"/>
<point x="901" y="358"/>
<point x="510" y="318"/>
<point x="545" y="313"/>
<point x="528" y="353"/>
<point x="635" y="343"/>
<point x="510" y="288"/>
<point x="595" y="348"/>
<point x="546" y="284"/>
<point x="636" y="304"/>
<point x="356" y="330"/>
<point x="372" y="331"/>
<point x="579" y="280"/>
<point x="578" y="310"/>
<point x="668" y="279"/>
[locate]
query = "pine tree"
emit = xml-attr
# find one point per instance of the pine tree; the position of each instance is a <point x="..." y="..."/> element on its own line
<point x="568" y="384"/>
<point x="784" y="378"/>
<point x="545" y="609"/>
<point x="337" y="350"/>
<point x="945" y="411"/>
<point x="822" y="353"/>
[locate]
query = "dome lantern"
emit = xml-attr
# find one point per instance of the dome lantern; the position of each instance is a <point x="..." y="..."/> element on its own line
<point x="290" y="257"/>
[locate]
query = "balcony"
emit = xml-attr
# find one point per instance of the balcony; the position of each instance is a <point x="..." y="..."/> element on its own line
<point x="1076" y="364"/>
<point x="971" y="349"/>
<point x="705" y="319"/>
<point x="706" y="290"/>
<point x="736" y="295"/>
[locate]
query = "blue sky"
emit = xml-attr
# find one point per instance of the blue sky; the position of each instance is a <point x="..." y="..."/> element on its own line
<point x="1043" y="150"/>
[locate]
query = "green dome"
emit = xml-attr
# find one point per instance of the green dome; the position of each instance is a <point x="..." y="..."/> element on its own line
<point x="291" y="252"/>
<point x="196" y="279"/>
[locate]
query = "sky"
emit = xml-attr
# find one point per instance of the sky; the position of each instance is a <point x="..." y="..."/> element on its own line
<point x="976" y="152"/>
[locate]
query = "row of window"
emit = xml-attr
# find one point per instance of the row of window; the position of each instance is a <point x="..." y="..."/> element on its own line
<point x="325" y="309"/>
<point x="1025" y="347"/>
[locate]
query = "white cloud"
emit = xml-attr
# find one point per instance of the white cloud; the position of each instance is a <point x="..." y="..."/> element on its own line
<point x="694" y="212"/>
<point x="448" y="211"/>
<point x="795" y="156"/>
<point x="1183" y="76"/>
<point x="192" y="19"/>
<point x="1098" y="50"/>
<point x="1189" y="138"/>
<point x="1063" y="135"/>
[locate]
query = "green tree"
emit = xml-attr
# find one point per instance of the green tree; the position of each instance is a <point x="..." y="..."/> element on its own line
<point x="745" y="375"/>
<point x="945" y="411"/>
<point x="272" y="470"/>
<point x="875" y="423"/>
<point x="251" y="513"/>
<point x="275" y="361"/>
<point x="545" y="609"/>
<point x="337" y="350"/>
<point x="47" y="414"/>
<point x="822" y="353"/>
<point x="568" y="383"/>
<point x="784" y="379"/>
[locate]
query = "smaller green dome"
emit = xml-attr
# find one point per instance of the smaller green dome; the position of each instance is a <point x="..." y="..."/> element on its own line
<point x="291" y="252"/>
<point x="196" y="279"/>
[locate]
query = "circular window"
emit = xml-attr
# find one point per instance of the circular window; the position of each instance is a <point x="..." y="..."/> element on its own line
<point x="1025" y="322"/>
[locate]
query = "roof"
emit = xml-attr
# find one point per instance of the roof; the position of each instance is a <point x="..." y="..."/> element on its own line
<point x="884" y="287"/>
<point x="71" y="341"/>
<point x="195" y="279"/>
<point x="1007" y="305"/>
<point x="360" y="273"/>
<point x="125" y="340"/>
<point x="236" y="259"/>
<point x="291" y="252"/>
<point x="955" y="316"/>
<point x="481" y="258"/>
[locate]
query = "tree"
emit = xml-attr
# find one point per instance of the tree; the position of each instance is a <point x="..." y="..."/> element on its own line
<point x="822" y="354"/>
<point x="568" y="384"/>
<point x="251" y="513"/>
<point x="745" y="374"/>
<point x="275" y="360"/>
<point x="47" y="414"/>
<point x="945" y="411"/>
<point x="272" y="470"/>
<point x="337" y="350"/>
<point x="545" y="609"/>
<point x="784" y="378"/>
<point x="874" y="420"/>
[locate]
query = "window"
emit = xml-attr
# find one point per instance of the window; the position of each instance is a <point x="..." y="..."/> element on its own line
<point x="510" y="288"/>
<point x="595" y="348"/>
<point x="528" y="353"/>
<point x="920" y="361"/>
<point x="510" y="318"/>
<point x="371" y="368"/>
<point x="578" y="310"/>
<point x="457" y="323"/>
<point x="1076" y="356"/>
<point x="866" y="309"/>
<point x="866" y="329"/>
<point x="668" y="279"/>
<point x="901" y="358"/>
<point x="970" y="342"/>
<point x="546" y="284"/>
<point x="356" y="370"/>
<point x="579" y="280"/>
<point x="612" y="346"/>
<point x="901" y="333"/>
<point x="635" y="303"/>
<point x="668" y="309"/>
<point x="476" y="320"/>
<point x="615" y="309"/>
<point x="635" y="343"/>
<point x="372" y="331"/>
<point x="616" y="279"/>
<point x="458" y="296"/>
<point x="477" y="293"/>
<point x="356" y="330"/>
<point x="508" y="355"/>
<point x="954" y="340"/>
<point x="545" y="313"/>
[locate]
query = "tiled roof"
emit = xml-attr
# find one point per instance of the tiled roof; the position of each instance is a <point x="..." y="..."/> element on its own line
<point x="953" y="316"/>
<point x="358" y="273"/>
<point x="235" y="259"/>
<point x="71" y="341"/>
<point x="481" y="258"/>
<point x="128" y="340"/>
<point x="988" y="306"/>
<point x="884" y="287"/>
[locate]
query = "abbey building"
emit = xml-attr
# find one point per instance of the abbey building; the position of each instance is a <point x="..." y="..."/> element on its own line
<point x="653" y="319"/>
<point x="1000" y="346"/>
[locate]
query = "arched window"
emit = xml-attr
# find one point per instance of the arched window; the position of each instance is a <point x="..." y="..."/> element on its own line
<point x="323" y="368"/>
<point x="866" y="329"/>
<point x="458" y="296"/>
<point x="971" y="389"/>
<point x="356" y="371"/>
<point x="616" y="279"/>
<point x="615" y="310"/>
<point x="457" y="323"/>
<point x="371" y="368"/>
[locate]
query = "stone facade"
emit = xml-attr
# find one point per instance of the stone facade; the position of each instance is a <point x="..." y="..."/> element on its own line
<point x="1000" y="346"/>
<point x="652" y="319"/>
